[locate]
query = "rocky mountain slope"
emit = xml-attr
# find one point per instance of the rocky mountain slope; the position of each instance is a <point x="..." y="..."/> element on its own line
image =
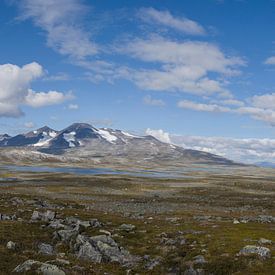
<point x="82" y="142"/>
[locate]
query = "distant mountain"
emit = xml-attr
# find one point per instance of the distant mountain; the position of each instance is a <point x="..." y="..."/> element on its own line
<point x="36" y="138"/>
<point x="83" y="142"/>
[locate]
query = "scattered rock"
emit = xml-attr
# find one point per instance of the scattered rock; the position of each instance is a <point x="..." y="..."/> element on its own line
<point x="39" y="267"/>
<point x="235" y="221"/>
<point x="262" y="252"/>
<point x="46" y="216"/>
<point x="199" y="260"/>
<point x="45" y="249"/>
<point x="102" y="248"/>
<point x="151" y="264"/>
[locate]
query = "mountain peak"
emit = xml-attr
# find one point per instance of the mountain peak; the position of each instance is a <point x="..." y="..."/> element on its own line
<point x="45" y="129"/>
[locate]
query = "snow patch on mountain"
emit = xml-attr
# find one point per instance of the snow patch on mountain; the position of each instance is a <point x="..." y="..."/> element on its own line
<point x="107" y="135"/>
<point x="44" y="141"/>
<point x="130" y="135"/>
<point x="70" y="138"/>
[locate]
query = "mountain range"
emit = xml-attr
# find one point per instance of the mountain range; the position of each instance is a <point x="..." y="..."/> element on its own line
<point x="81" y="142"/>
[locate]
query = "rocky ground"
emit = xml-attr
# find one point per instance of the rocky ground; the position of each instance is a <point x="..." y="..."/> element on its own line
<point x="205" y="224"/>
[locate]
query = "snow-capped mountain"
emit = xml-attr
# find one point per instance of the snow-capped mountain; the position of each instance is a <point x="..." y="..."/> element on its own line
<point x="83" y="141"/>
<point x="37" y="138"/>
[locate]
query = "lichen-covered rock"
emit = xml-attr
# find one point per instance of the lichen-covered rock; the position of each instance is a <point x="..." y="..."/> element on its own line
<point x="45" y="249"/>
<point x="27" y="266"/>
<point x="50" y="269"/>
<point x="261" y="251"/>
<point x="39" y="267"/>
<point x="46" y="216"/>
<point x="88" y="252"/>
<point x="66" y="235"/>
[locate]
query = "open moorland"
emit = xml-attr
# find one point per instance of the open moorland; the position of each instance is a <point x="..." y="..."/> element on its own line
<point x="203" y="223"/>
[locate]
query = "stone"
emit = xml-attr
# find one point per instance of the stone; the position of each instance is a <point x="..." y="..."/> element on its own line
<point x="56" y="224"/>
<point x="39" y="267"/>
<point x="89" y="252"/>
<point x="35" y="215"/>
<point x="264" y="241"/>
<point x="50" y="269"/>
<point x="199" y="259"/>
<point x="262" y="252"/>
<point x="48" y="216"/>
<point x="45" y="249"/>
<point x="11" y="245"/>
<point x="26" y="266"/>
<point x="235" y="221"/>
<point x="127" y="227"/>
<point x="95" y="223"/>
<point x="108" y="233"/>
<point x="66" y="235"/>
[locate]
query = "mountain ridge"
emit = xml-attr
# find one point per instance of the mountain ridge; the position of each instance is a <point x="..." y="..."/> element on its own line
<point x="99" y="145"/>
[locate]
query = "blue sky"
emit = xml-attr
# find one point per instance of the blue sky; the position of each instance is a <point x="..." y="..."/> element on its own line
<point x="201" y="68"/>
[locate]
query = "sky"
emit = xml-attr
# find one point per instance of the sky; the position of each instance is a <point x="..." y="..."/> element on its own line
<point x="195" y="73"/>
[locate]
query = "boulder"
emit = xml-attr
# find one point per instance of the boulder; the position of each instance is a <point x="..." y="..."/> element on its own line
<point x="262" y="252"/>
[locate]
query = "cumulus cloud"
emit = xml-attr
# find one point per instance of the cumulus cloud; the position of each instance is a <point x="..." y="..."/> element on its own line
<point x="265" y="101"/>
<point x="183" y="66"/>
<point x="159" y="134"/>
<point x="148" y="100"/>
<point x="40" y="99"/>
<point x="60" y="21"/>
<point x="248" y="150"/>
<point x="270" y="60"/>
<point x="165" y="18"/>
<point x="15" y="89"/>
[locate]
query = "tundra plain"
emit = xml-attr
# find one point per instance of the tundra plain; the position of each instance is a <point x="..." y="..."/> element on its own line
<point x="198" y="224"/>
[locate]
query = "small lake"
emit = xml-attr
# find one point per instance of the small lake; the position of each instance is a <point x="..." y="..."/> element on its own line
<point x="95" y="171"/>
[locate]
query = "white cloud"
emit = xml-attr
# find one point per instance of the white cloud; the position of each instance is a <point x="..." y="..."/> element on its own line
<point x="61" y="22"/>
<point x="159" y="134"/>
<point x="266" y="115"/>
<point x="73" y="107"/>
<point x="148" y="100"/>
<point x="165" y="18"/>
<point x="183" y="66"/>
<point x="40" y="99"/>
<point x="15" y="89"/>
<point x="58" y="77"/>
<point x="187" y="104"/>
<point x="270" y="60"/>
<point x="265" y="101"/>
<point x="29" y="125"/>
<point x="232" y="102"/>
<point x="249" y="150"/>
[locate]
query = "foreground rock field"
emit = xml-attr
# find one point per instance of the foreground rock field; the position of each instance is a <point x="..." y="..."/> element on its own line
<point x="204" y="224"/>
